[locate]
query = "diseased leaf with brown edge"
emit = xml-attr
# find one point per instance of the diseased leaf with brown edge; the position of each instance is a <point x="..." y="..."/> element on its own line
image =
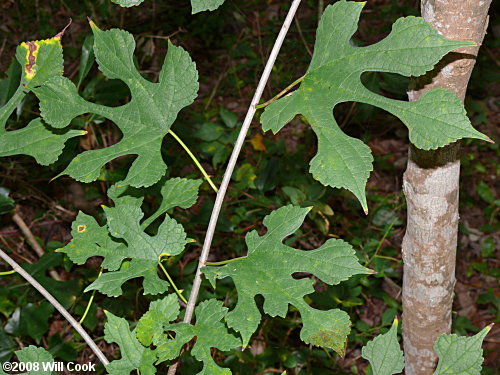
<point x="41" y="60"/>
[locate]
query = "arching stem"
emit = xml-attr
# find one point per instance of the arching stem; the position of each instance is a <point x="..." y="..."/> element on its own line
<point x="172" y="283"/>
<point x="223" y="262"/>
<point x="289" y="87"/>
<point x="87" y="309"/>
<point x="196" y="162"/>
<point x="5" y="273"/>
<point x="231" y="165"/>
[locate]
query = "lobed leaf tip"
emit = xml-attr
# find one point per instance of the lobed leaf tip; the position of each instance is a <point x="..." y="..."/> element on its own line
<point x="488" y="139"/>
<point x="365" y="210"/>
<point x="92" y="24"/>
<point x="57" y="250"/>
<point x="53" y="178"/>
<point x="396" y="321"/>
<point x="309" y="208"/>
<point x="489" y="327"/>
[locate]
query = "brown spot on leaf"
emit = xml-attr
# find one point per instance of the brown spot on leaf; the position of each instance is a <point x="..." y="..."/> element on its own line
<point x="32" y="47"/>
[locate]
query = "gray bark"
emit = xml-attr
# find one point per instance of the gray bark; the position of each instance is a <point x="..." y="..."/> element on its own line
<point x="430" y="184"/>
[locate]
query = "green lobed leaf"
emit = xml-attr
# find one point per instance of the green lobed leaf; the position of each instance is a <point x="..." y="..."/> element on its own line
<point x="209" y="331"/>
<point x="150" y="327"/>
<point x="180" y="192"/>
<point x="37" y="140"/>
<point x="134" y="355"/>
<point x="144" y="121"/>
<point x="412" y="48"/>
<point x="123" y="238"/>
<point x="267" y="270"/>
<point x="460" y="355"/>
<point x="41" y="60"/>
<point x="384" y="352"/>
<point x="35" y="358"/>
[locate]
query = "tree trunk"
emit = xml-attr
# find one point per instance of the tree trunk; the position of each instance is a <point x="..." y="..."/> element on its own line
<point x="430" y="184"/>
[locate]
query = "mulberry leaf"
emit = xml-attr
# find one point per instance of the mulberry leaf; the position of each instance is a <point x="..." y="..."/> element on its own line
<point x="144" y="121"/>
<point x="150" y="326"/>
<point x="35" y="358"/>
<point x="128" y="251"/>
<point x="134" y="355"/>
<point x="412" y="48"/>
<point x="459" y="354"/>
<point x="180" y="192"/>
<point x="41" y="60"/>
<point x="267" y="270"/>
<point x="384" y="353"/>
<point x="210" y="332"/>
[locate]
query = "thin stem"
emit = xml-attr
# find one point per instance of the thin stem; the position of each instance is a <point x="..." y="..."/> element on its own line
<point x="57" y="305"/>
<point x="90" y="301"/>
<point x="5" y="273"/>
<point x="172" y="283"/>
<point x="223" y="262"/>
<point x="196" y="162"/>
<point x="87" y="308"/>
<point x="32" y="241"/>
<point x="381" y="241"/>
<point x="288" y="88"/>
<point x="386" y="257"/>
<point x="302" y="37"/>
<point x="231" y="165"/>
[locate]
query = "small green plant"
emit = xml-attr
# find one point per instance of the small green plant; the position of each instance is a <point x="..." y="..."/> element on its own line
<point x="457" y="354"/>
<point x="125" y="240"/>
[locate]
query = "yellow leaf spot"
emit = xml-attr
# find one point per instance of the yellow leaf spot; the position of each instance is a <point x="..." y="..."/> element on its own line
<point x="81" y="228"/>
<point x="258" y="142"/>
